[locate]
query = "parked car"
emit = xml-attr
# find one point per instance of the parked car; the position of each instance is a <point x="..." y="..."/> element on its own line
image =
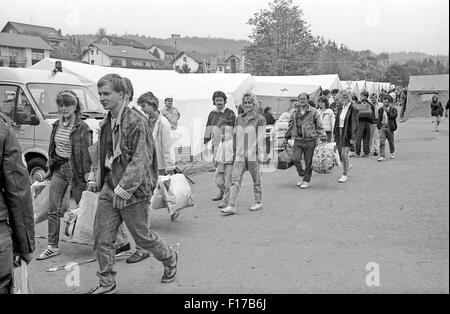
<point x="28" y="98"/>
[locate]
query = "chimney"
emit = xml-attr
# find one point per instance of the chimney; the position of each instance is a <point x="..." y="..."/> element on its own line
<point x="60" y="32"/>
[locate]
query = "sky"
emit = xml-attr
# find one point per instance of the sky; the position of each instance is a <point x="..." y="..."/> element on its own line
<point x="378" y="25"/>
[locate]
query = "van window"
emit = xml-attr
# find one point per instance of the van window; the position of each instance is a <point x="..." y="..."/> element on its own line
<point x="15" y="104"/>
<point x="45" y="97"/>
<point x="8" y="100"/>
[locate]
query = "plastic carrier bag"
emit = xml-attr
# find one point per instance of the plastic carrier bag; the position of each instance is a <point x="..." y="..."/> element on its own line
<point x="21" y="281"/>
<point x="84" y="228"/>
<point x="324" y="158"/>
<point x="172" y="192"/>
<point x="40" y="192"/>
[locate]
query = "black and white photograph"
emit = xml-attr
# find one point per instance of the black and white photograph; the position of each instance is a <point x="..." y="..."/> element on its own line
<point x="224" y="152"/>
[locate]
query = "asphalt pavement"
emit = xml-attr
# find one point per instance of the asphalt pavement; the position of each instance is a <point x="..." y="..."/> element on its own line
<point x="391" y="216"/>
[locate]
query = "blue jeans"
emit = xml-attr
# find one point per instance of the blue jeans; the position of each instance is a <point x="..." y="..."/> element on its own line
<point x="106" y="226"/>
<point x="60" y="182"/>
<point x="239" y="169"/>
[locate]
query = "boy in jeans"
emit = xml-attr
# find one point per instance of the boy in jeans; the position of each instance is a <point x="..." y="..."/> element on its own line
<point x="387" y="124"/>
<point x="223" y="161"/>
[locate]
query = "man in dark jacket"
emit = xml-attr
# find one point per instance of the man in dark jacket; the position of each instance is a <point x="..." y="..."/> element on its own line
<point x="219" y="117"/>
<point x="387" y="124"/>
<point x="366" y="114"/>
<point x="16" y="207"/>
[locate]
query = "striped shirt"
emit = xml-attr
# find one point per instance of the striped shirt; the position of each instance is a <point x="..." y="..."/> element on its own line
<point x="62" y="140"/>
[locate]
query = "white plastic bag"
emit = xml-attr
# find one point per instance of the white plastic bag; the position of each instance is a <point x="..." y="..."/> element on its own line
<point x="173" y="193"/>
<point x="21" y="281"/>
<point x="84" y="228"/>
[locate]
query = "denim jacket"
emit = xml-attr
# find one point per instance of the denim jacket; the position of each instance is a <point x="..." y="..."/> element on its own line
<point x="134" y="166"/>
<point x="310" y="124"/>
<point x="81" y="139"/>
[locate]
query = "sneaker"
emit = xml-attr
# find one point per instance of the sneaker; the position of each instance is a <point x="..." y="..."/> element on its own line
<point x="352" y="154"/>
<point x="299" y="183"/>
<point x="175" y="215"/>
<point x="48" y="252"/>
<point x="256" y="207"/>
<point x="170" y="271"/>
<point x="223" y="205"/>
<point x="103" y="289"/>
<point x="375" y="154"/>
<point x="138" y="256"/>
<point x="229" y="210"/>
<point x="124" y="248"/>
<point x="343" y="179"/>
<point x="381" y="159"/>
<point x="305" y="185"/>
<point x="392" y="156"/>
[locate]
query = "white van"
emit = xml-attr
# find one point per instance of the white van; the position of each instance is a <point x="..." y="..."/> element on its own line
<point x="28" y="98"/>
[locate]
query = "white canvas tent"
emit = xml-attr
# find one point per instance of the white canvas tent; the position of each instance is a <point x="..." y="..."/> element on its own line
<point x="329" y="81"/>
<point x="421" y="89"/>
<point x="191" y="92"/>
<point x="351" y="86"/>
<point x="278" y="96"/>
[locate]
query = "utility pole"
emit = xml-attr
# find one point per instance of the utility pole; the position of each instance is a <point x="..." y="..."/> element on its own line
<point x="31" y="13"/>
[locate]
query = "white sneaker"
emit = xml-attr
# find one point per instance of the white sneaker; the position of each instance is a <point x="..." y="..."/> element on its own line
<point x="381" y="159"/>
<point x="305" y="185"/>
<point x="343" y="179"/>
<point x="229" y="210"/>
<point x="48" y="252"/>
<point x="299" y="182"/>
<point x="256" y="207"/>
<point x="392" y="156"/>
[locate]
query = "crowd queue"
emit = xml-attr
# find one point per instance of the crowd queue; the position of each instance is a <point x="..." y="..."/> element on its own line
<point x="134" y="148"/>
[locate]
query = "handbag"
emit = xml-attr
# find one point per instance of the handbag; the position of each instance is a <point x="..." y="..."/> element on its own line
<point x="286" y="157"/>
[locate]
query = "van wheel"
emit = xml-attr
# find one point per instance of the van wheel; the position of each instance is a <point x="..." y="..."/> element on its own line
<point x="37" y="168"/>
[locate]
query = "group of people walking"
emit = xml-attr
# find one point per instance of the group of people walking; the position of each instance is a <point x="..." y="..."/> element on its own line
<point x="135" y="147"/>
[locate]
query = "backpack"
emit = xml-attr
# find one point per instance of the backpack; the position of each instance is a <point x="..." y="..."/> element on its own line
<point x="364" y="110"/>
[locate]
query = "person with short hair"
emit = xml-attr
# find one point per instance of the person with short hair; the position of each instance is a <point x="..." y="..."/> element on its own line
<point x="366" y="114"/>
<point x="345" y="130"/>
<point x="223" y="160"/>
<point x="249" y="134"/>
<point x="328" y="118"/>
<point x="387" y="124"/>
<point x="270" y="120"/>
<point x="127" y="177"/>
<point x="334" y="102"/>
<point x="437" y="112"/>
<point x="305" y="126"/>
<point x="170" y="112"/>
<point x="69" y="163"/>
<point x="218" y="118"/>
<point x="17" y="241"/>
<point x="375" y="133"/>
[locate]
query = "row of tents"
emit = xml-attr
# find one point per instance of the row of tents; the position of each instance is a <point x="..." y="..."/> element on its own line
<point x="192" y="92"/>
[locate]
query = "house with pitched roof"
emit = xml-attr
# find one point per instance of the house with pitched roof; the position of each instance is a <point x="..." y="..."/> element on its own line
<point x="119" y="56"/>
<point x="49" y="34"/>
<point x="119" y="41"/>
<point x="195" y="61"/>
<point x="162" y="52"/>
<point x="22" y="50"/>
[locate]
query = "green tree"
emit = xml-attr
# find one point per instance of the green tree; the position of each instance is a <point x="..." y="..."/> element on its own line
<point x="101" y="32"/>
<point x="282" y="41"/>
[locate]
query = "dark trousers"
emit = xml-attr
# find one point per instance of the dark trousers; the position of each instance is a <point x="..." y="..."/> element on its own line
<point x="6" y="259"/>
<point x="304" y="149"/>
<point x="364" y="136"/>
<point x="386" y="133"/>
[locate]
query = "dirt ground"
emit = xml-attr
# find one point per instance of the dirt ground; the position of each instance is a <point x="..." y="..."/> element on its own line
<point x="395" y="214"/>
